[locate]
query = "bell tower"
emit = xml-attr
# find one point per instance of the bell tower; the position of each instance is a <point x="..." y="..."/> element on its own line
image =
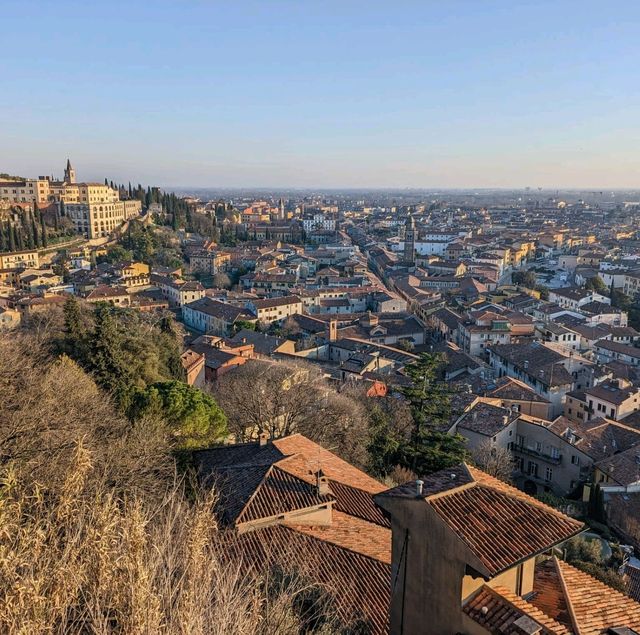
<point x="410" y="240"/>
<point x="69" y="173"/>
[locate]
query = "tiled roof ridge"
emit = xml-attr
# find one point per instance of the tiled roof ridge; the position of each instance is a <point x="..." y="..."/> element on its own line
<point x="567" y="597"/>
<point x="268" y="473"/>
<point x="455" y="490"/>
<point x="563" y="568"/>
<point x="531" y="611"/>
<point x="253" y="494"/>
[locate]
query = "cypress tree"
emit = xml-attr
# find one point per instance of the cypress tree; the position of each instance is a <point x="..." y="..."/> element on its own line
<point x="43" y="229"/>
<point x="105" y="355"/>
<point x="17" y="238"/>
<point x="34" y="231"/>
<point x="11" y="237"/>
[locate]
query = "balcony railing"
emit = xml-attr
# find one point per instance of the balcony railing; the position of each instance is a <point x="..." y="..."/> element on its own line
<point x="556" y="460"/>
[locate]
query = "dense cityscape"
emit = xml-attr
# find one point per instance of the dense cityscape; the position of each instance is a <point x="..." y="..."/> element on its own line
<point x="323" y="361"/>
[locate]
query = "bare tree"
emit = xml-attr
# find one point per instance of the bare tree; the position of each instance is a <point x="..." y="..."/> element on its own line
<point x="281" y="398"/>
<point x="494" y="460"/>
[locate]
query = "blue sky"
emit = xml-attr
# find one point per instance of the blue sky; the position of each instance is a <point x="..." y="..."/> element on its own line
<point x="329" y="94"/>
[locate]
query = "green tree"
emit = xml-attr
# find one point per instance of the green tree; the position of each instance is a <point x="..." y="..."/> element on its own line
<point x="524" y="278"/>
<point x="106" y="359"/>
<point x="432" y="450"/>
<point x="195" y="417"/>
<point x="383" y="448"/>
<point x="75" y="332"/>
<point x="430" y="447"/>
<point x="43" y="229"/>
<point x="428" y="396"/>
<point x="596" y="284"/>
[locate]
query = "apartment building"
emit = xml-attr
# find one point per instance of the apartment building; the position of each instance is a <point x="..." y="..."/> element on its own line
<point x="178" y="292"/>
<point x="96" y="210"/>
<point x="27" y="259"/>
<point x="272" y="310"/>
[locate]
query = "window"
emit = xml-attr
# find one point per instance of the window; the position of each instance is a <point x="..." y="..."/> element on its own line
<point x="575" y="459"/>
<point x="555" y="452"/>
<point x="532" y="468"/>
<point x="548" y="474"/>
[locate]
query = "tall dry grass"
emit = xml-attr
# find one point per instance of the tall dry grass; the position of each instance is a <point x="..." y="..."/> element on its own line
<point x="80" y="560"/>
<point x="98" y="533"/>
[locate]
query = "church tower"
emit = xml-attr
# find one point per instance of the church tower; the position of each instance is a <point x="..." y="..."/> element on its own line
<point x="69" y="173"/>
<point x="410" y="240"/>
<point x="281" y="209"/>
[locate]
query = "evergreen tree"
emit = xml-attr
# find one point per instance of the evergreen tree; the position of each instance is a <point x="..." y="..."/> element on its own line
<point x="17" y="238"/>
<point x="106" y="359"/>
<point x="75" y="334"/>
<point x="384" y="444"/>
<point x="430" y="447"/>
<point x="34" y="231"/>
<point x="428" y="396"/>
<point x="11" y="237"/>
<point x="43" y="230"/>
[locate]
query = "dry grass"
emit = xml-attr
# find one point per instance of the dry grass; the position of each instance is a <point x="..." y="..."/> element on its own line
<point x="98" y="534"/>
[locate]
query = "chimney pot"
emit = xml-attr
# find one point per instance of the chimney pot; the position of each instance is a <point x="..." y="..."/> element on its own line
<point x="419" y="485"/>
<point x="322" y="484"/>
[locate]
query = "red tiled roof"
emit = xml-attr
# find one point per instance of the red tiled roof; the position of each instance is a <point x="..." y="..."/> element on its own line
<point x="499" y="524"/>
<point x="594" y="606"/>
<point x="498" y="611"/>
<point x="278" y="493"/>
<point x="312" y="454"/>
<point x="360" y="585"/>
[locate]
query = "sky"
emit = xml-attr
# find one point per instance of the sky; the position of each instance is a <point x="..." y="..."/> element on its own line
<point x="312" y="93"/>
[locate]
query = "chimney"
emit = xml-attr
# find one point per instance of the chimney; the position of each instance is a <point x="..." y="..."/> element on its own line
<point x="419" y="485"/>
<point x="263" y="439"/>
<point x="322" y="484"/>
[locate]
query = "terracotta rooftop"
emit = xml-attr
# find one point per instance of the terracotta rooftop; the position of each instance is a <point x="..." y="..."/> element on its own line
<point x="512" y="389"/>
<point x="269" y="492"/>
<point x="502" y="612"/>
<point x="499" y="524"/>
<point x="595" y="607"/>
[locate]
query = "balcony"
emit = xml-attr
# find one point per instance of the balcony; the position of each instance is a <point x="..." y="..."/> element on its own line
<point x="555" y="460"/>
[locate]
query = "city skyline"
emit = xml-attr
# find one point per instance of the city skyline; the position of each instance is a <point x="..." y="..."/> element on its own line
<point x="361" y="96"/>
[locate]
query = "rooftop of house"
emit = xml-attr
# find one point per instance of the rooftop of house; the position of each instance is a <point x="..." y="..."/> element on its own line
<point x="220" y="310"/>
<point x="624" y="467"/>
<point x="265" y="488"/>
<point x="499" y="524"/>
<point x="514" y="390"/>
<point x="486" y="419"/>
<point x="598" y="438"/>
<point x="106" y="291"/>
<point x="615" y="391"/>
<point x="564" y="601"/>
<point x="537" y="360"/>
<point x="268" y="303"/>
<point x="618" y="347"/>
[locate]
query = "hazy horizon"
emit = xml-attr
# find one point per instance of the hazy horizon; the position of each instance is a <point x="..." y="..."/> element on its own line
<point x="423" y="95"/>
